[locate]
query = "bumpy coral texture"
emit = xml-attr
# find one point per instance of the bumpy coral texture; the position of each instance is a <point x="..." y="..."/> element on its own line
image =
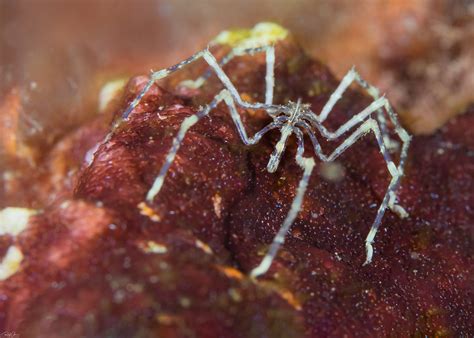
<point x="96" y="266"/>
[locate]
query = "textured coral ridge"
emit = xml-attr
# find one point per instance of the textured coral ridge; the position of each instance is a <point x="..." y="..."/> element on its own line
<point x="96" y="265"/>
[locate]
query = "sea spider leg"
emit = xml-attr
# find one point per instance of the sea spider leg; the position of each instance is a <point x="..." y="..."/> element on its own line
<point x="351" y="76"/>
<point x="369" y="110"/>
<point x="188" y="122"/>
<point x="270" y="65"/>
<point x="375" y="93"/>
<point x="230" y="95"/>
<point x="307" y="164"/>
<point x="155" y="76"/>
<point x="375" y="106"/>
<point x="396" y="173"/>
<point x="210" y="59"/>
<point x="158" y="75"/>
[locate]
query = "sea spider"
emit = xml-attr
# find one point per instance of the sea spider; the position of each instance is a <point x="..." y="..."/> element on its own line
<point x="291" y="118"/>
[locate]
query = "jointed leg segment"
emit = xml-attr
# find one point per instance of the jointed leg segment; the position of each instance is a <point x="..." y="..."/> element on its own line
<point x="307" y="164"/>
<point x="188" y="122"/>
<point x="230" y="95"/>
<point x="381" y="134"/>
<point x="185" y="125"/>
<point x="270" y="66"/>
<point x="216" y="68"/>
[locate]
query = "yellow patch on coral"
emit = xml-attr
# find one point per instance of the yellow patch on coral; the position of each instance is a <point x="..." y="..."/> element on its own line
<point x="10" y="263"/>
<point x="284" y="293"/>
<point x="246" y="97"/>
<point x="230" y="272"/>
<point x="153" y="247"/>
<point x="167" y="319"/>
<point x="145" y="210"/>
<point x="290" y="299"/>
<point x="217" y="202"/>
<point x="203" y="246"/>
<point x="109" y="91"/>
<point x="263" y="34"/>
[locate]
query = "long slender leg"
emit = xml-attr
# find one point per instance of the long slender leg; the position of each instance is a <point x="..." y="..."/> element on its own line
<point x="376" y="106"/>
<point x="240" y="127"/>
<point x="395" y="172"/>
<point x="390" y="196"/>
<point x="375" y="93"/>
<point x="269" y="108"/>
<point x="350" y="77"/>
<point x="225" y="60"/>
<point x="307" y="164"/>
<point x="346" y="81"/>
<point x="381" y="141"/>
<point x="373" y="107"/>
<point x="401" y="132"/>
<point x="336" y="95"/>
<point x="155" y="76"/>
<point x="389" y="200"/>
<point x="210" y="59"/>
<point x="368" y="125"/>
<point x="188" y="122"/>
<point x="269" y="77"/>
<point x="158" y="75"/>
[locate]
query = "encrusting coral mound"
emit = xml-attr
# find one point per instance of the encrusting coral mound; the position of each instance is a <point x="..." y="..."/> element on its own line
<point x="92" y="263"/>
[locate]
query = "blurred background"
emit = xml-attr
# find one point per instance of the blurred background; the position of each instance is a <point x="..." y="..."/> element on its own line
<point x="55" y="55"/>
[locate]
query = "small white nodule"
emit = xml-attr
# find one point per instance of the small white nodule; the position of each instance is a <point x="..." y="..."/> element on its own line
<point x="14" y="220"/>
<point x="332" y="171"/>
<point x="109" y="91"/>
<point x="11" y="262"/>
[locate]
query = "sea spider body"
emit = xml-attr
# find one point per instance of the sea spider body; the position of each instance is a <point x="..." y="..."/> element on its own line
<point x="290" y="118"/>
<point x="293" y="115"/>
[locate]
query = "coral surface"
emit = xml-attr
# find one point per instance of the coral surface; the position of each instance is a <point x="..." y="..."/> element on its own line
<point x="94" y="264"/>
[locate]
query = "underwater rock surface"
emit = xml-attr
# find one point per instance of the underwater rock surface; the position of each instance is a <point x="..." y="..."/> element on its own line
<point x="95" y="264"/>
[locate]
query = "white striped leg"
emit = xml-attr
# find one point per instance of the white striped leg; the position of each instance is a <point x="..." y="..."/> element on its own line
<point x="158" y="75"/>
<point x="347" y="80"/>
<point x="336" y="95"/>
<point x="269" y="77"/>
<point x="375" y="93"/>
<point x="211" y="60"/>
<point x="390" y="194"/>
<point x="387" y="142"/>
<point x="375" y="107"/>
<point x="360" y="117"/>
<point x="155" y="76"/>
<point x="187" y="123"/>
<point x="307" y="164"/>
<point x="395" y="172"/>
<point x="240" y="127"/>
